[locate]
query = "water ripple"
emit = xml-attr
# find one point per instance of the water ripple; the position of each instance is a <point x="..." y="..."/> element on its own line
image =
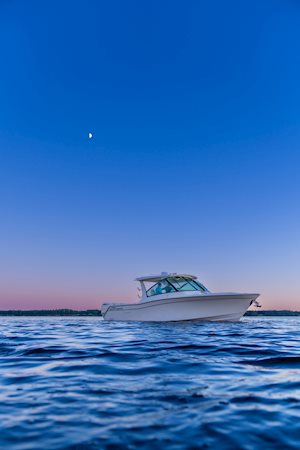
<point x="81" y="383"/>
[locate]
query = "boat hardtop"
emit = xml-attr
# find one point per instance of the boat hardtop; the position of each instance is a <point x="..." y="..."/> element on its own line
<point x="165" y="275"/>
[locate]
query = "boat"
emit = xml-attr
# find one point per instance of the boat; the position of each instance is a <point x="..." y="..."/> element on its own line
<point x="172" y="297"/>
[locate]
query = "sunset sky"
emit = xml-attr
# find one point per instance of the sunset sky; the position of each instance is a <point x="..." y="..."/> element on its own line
<point x="194" y="164"/>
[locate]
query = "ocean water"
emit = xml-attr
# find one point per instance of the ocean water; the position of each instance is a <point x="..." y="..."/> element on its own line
<point x="82" y="383"/>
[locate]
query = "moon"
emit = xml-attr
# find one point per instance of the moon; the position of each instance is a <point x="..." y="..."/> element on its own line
<point x="90" y="135"/>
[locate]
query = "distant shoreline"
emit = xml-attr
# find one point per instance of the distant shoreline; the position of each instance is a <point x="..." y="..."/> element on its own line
<point x="97" y="312"/>
<point x="50" y="312"/>
<point x="273" y="312"/>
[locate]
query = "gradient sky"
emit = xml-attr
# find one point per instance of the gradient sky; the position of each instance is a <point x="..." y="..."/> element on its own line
<point x="195" y="161"/>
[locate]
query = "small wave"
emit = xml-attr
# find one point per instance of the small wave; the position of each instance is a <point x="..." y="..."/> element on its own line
<point x="40" y="351"/>
<point x="281" y="362"/>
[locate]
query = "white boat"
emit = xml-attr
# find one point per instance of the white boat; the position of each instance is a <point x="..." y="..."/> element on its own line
<point x="172" y="297"/>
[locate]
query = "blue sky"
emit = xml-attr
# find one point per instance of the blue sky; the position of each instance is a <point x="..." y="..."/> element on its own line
<point x="194" y="162"/>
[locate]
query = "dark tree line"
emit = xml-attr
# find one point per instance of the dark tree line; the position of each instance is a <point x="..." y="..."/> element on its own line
<point x="51" y="312"/>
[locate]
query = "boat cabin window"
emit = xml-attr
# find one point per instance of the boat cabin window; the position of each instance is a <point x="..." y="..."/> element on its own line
<point x="186" y="284"/>
<point x="174" y="284"/>
<point x="162" y="287"/>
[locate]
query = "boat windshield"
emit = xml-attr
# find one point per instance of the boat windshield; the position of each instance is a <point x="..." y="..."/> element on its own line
<point x="162" y="287"/>
<point x="174" y="284"/>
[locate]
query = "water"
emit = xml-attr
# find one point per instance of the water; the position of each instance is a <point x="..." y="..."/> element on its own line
<point x="81" y="383"/>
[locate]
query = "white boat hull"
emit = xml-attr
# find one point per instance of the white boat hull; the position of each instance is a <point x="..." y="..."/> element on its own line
<point x="209" y="307"/>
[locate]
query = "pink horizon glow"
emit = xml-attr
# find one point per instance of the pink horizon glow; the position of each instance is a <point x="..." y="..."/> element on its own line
<point x="79" y="301"/>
